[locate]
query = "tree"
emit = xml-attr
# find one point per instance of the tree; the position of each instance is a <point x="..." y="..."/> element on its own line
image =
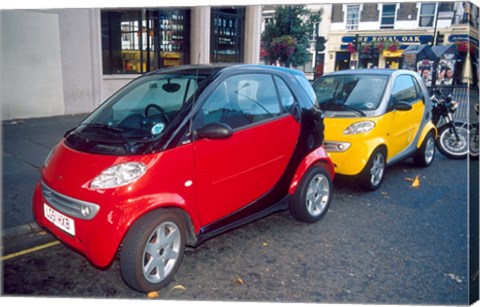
<point x="294" y="31"/>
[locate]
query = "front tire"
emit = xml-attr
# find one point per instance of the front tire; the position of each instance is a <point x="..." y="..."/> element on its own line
<point x="447" y="142"/>
<point x="153" y="250"/>
<point x="313" y="196"/>
<point x="371" y="177"/>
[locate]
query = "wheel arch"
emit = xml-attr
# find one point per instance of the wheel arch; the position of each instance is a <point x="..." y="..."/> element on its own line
<point x="179" y="209"/>
<point x="318" y="157"/>
<point x="430" y="127"/>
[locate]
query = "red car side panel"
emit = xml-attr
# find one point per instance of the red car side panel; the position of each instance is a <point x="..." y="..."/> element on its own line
<point x="236" y="171"/>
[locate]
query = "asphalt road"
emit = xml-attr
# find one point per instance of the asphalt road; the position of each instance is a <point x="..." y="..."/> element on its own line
<point x="398" y="245"/>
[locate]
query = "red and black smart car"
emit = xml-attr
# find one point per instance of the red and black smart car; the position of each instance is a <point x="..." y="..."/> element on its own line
<point x="180" y="155"/>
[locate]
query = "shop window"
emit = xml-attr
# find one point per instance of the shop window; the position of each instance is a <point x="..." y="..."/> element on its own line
<point x="353" y="17"/>
<point x="227" y="32"/>
<point x="138" y="41"/>
<point x="427" y="14"/>
<point x="388" y="16"/>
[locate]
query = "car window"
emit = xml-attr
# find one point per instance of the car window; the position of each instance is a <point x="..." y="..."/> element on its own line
<point x="286" y="96"/>
<point x="145" y="107"/>
<point x="241" y="100"/>
<point x="308" y="89"/>
<point x="404" y="89"/>
<point x="343" y="92"/>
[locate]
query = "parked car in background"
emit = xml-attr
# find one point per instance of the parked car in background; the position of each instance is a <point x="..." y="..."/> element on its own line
<point x="374" y="118"/>
<point x="180" y="155"/>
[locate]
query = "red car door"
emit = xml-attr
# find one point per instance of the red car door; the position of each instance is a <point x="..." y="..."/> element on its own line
<point x="235" y="171"/>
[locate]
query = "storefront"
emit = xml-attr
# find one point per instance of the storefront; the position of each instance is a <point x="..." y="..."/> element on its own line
<point x="370" y="50"/>
<point x="137" y="41"/>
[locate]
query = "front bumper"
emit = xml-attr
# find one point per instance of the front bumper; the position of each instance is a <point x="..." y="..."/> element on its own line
<point x="95" y="238"/>
<point x="350" y="158"/>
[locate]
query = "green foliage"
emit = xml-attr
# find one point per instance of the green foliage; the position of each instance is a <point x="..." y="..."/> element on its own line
<point x="288" y="22"/>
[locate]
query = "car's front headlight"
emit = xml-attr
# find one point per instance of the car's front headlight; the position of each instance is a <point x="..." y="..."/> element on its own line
<point x="119" y="175"/>
<point x="359" y="127"/>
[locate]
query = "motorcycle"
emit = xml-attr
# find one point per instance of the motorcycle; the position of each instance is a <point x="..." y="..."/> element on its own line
<point x="453" y="137"/>
<point x="474" y="137"/>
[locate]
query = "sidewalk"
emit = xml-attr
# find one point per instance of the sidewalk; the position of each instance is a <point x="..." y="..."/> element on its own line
<point x="25" y="145"/>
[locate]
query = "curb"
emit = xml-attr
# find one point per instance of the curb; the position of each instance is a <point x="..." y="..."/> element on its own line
<point x="24" y="237"/>
<point x="20" y="231"/>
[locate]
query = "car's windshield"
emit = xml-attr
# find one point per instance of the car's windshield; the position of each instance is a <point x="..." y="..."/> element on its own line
<point x="356" y="93"/>
<point x="144" y="108"/>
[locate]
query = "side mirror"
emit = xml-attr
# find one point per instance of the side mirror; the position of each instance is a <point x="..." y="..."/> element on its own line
<point x="402" y="106"/>
<point x="214" y="131"/>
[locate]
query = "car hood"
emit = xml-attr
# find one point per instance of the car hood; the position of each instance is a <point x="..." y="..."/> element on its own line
<point x="70" y="172"/>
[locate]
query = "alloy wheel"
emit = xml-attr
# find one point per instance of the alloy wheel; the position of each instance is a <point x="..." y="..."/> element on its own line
<point x="377" y="170"/>
<point x="318" y="194"/>
<point x="161" y="252"/>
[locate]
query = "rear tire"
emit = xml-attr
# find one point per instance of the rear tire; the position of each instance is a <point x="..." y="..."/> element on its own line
<point x="426" y="153"/>
<point x="153" y="250"/>
<point x="474" y="143"/>
<point x="313" y="196"/>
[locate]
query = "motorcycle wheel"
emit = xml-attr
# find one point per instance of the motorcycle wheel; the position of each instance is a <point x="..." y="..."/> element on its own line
<point x="474" y="143"/>
<point x="447" y="142"/>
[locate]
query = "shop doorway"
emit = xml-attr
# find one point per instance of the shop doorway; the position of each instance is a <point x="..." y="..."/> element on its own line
<point x="393" y="63"/>
<point x="342" y="61"/>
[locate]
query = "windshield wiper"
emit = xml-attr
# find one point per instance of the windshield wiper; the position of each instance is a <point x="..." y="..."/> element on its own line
<point x="346" y="106"/>
<point x="117" y="130"/>
<point x="336" y="106"/>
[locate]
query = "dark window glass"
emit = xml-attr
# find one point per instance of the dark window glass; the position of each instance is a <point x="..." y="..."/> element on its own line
<point x="227" y="33"/>
<point x="362" y="92"/>
<point x="427" y="14"/>
<point x="388" y="16"/>
<point x="138" y="41"/>
<point x="240" y="101"/>
<point x="286" y="96"/>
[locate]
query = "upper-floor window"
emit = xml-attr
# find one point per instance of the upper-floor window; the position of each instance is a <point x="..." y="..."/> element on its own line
<point x="388" y="16"/>
<point x="353" y="17"/>
<point x="427" y="14"/>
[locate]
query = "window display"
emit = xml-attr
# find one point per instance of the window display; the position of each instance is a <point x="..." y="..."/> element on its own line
<point x="138" y="41"/>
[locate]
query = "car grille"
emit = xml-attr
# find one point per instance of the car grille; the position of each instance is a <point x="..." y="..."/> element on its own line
<point x="68" y="205"/>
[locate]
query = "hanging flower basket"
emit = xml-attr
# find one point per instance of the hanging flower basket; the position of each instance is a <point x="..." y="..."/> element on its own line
<point x="462" y="46"/>
<point x="379" y="45"/>
<point x="366" y="48"/>
<point x="351" y="48"/>
<point x="392" y="46"/>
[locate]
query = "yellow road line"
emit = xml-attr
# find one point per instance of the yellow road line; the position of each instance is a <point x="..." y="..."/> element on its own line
<point x="30" y="250"/>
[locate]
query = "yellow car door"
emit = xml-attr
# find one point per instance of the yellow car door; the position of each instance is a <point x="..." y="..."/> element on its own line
<point x="404" y="117"/>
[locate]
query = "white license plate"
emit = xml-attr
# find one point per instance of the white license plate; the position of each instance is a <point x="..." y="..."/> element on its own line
<point x="61" y="221"/>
